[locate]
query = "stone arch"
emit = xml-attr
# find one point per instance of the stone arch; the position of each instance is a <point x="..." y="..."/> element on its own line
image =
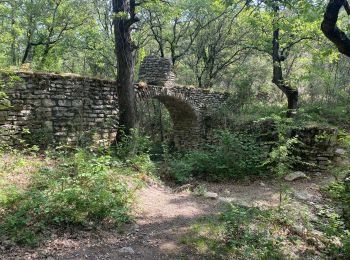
<point x="187" y="106"/>
<point x="186" y="122"/>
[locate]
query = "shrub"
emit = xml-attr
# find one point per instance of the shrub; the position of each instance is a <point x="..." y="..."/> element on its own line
<point x="340" y="192"/>
<point x="241" y="232"/>
<point x="132" y="145"/>
<point x="247" y="240"/>
<point x="323" y="113"/>
<point x="237" y="233"/>
<point x="235" y="156"/>
<point x="80" y="190"/>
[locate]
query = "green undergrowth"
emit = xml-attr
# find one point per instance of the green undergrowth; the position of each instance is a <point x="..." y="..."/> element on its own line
<point x="340" y="192"/>
<point x="62" y="189"/>
<point x="238" y="155"/>
<point x="10" y="80"/>
<point x="234" y="156"/>
<point x="315" y="113"/>
<point x="287" y="232"/>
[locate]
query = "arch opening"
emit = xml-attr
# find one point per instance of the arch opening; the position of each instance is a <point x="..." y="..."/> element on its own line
<point x="186" y="129"/>
<point x="173" y="118"/>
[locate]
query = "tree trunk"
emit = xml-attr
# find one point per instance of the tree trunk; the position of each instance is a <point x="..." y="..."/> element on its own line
<point x="26" y="52"/>
<point x="13" y="42"/>
<point x="125" y="52"/>
<point x="200" y="82"/>
<point x="330" y="29"/>
<point x="291" y="93"/>
<point x="161" y="121"/>
<point x="44" y="56"/>
<point x="161" y="50"/>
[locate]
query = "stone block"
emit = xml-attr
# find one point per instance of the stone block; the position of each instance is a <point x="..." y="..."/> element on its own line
<point x="99" y="120"/>
<point x="48" y="103"/>
<point x="64" y="103"/>
<point x="77" y="103"/>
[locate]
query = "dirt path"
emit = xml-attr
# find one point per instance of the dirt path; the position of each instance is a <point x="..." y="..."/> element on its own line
<point x="162" y="219"/>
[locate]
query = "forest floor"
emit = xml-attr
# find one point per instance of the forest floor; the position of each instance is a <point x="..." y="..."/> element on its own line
<point x="163" y="218"/>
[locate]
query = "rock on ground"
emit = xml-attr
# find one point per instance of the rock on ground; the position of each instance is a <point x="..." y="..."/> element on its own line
<point x="126" y="250"/>
<point x="295" y="176"/>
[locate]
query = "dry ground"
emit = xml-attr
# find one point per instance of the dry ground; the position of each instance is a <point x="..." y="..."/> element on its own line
<point x="163" y="217"/>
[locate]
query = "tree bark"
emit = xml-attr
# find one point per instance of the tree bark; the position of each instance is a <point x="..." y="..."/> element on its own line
<point x="161" y="121"/>
<point x="330" y="29"/>
<point x="44" y="56"/>
<point x="125" y="51"/>
<point x="26" y="52"/>
<point x="13" y="43"/>
<point x="278" y="79"/>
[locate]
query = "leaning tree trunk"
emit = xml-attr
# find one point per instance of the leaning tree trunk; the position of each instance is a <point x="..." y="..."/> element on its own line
<point x="330" y="29"/>
<point x="291" y="93"/>
<point x="125" y="52"/>
<point x="44" y="56"/>
<point x="26" y="52"/>
<point x="342" y="41"/>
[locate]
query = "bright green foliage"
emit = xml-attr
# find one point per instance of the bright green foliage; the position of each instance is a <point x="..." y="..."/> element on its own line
<point x="282" y="158"/>
<point x="235" y="156"/>
<point x="62" y="36"/>
<point x="238" y="233"/>
<point x="11" y="79"/>
<point x="339" y="191"/>
<point x="218" y="44"/>
<point x="244" y="239"/>
<point x="252" y="233"/>
<point x="81" y="189"/>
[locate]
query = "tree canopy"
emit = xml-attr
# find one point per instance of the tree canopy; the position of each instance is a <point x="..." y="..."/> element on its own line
<point x="212" y="43"/>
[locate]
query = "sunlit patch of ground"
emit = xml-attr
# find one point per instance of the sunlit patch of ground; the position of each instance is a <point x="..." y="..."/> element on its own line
<point x="175" y="225"/>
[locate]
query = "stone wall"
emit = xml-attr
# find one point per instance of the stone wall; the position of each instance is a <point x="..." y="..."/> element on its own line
<point x="157" y="71"/>
<point x="70" y="109"/>
<point x="59" y="109"/>
<point x="188" y="108"/>
<point x="318" y="147"/>
<point x="75" y="110"/>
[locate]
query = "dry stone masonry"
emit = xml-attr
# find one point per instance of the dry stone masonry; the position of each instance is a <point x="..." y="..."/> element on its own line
<point x="59" y="109"/>
<point x="318" y="148"/>
<point x="70" y="109"/>
<point x="157" y="71"/>
<point x="188" y="108"/>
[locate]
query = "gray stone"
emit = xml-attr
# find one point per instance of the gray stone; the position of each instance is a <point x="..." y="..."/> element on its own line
<point x="77" y="103"/>
<point x="295" y="176"/>
<point x="48" y="125"/>
<point x="322" y="158"/>
<point x="340" y="151"/>
<point x="157" y="71"/>
<point x="64" y="103"/>
<point x="227" y="200"/>
<point x="211" y="195"/>
<point x="127" y="250"/>
<point x="304" y="195"/>
<point x="48" y="103"/>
